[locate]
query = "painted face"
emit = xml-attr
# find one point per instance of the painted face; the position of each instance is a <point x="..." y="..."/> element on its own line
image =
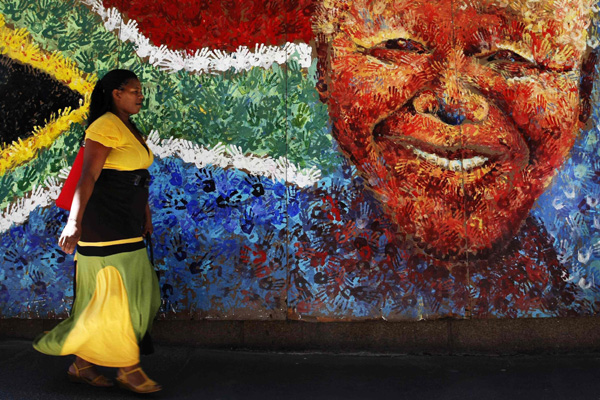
<point x="456" y="113"/>
<point x="130" y="97"/>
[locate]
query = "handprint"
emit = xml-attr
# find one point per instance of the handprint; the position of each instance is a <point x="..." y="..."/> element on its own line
<point x="255" y="183"/>
<point x="14" y="10"/>
<point x="69" y="41"/>
<point x="565" y="251"/>
<point x="178" y="248"/>
<point x="569" y="192"/>
<point x="28" y="180"/>
<point x="39" y="286"/>
<point x="584" y="257"/>
<point x="85" y="60"/>
<point x="33" y="23"/>
<point x="200" y="61"/>
<point x="301" y="116"/>
<point x="557" y="203"/>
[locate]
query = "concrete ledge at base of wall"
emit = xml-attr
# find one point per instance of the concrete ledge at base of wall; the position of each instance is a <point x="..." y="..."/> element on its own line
<point x="448" y="336"/>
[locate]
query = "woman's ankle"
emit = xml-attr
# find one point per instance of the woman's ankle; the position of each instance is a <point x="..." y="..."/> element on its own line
<point x="80" y="362"/>
<point x="129" y="368"/>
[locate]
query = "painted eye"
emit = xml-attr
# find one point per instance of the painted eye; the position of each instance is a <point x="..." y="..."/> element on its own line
<point x="509" y="62"/>
<point x="404" y="45"/>
<point x="508" y="56"/>
<point x="398" y="50"/>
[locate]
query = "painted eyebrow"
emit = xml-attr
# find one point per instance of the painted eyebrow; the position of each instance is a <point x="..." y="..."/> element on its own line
<point x="380" y="32"/>
<point x="525" y="53"/>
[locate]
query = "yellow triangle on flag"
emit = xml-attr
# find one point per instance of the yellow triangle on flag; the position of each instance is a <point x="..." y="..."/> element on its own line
<point x="18" y="45"/>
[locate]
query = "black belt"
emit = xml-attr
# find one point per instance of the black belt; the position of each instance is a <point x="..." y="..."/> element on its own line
<point x="139" y="177"/>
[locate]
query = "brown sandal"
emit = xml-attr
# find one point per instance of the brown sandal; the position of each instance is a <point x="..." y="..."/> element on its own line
<point x="99" y="381"/>
<point x="148" y="386"/>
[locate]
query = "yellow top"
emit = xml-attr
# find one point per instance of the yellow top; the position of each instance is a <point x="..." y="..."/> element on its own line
<point x="127" y="153"/>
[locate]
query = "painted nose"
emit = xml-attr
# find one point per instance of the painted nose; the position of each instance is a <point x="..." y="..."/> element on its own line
<point x="453" y="110"/>
<point x="450" y="115"/>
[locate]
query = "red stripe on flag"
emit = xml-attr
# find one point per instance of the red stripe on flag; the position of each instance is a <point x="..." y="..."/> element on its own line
<point x="220" y="24"/>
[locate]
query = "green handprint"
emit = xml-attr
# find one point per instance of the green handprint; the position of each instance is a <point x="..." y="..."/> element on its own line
<point x="13" y="9"/>
<point x="54" y="28"/>
<point x="300" y="116"/>
<point x="85" y="60"/>
<point x="69" y="41"/>
<point x="42" y="9"/>
<point x="7" y="184"/>
<point x="33" y="23"/>
<point x="29" y="178"/>
<point x="83" y="20"/>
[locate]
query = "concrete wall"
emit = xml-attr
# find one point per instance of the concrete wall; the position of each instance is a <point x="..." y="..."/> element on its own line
<point x="344" y="171"/>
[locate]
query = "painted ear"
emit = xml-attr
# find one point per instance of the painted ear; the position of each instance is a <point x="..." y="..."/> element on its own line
<point x="588" y="76"/>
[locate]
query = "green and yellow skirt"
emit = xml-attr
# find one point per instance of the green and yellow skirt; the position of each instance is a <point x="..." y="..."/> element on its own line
<point x="117" y="297"/>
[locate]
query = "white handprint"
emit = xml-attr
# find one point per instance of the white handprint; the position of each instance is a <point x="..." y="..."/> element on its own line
<point x="584" y="257"/>
<point x="129" y="31"/>
<point x="112" y="19"/>
<point x="557" y="203"/>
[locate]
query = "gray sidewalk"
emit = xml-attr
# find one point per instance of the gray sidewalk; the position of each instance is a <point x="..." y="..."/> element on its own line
<point x="194" y="373"/>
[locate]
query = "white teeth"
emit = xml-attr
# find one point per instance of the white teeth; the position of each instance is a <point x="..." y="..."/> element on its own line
<point x="462" y="165"/>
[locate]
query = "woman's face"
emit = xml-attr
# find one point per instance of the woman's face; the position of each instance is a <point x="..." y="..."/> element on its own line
<point x="129" y="98"/>
<point x="456" y="113"/>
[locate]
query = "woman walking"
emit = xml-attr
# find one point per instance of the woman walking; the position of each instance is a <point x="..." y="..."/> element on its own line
<point x="117" y="294"/>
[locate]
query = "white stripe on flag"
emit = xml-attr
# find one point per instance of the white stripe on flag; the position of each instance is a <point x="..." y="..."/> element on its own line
<point x="221" y="156"/>
<point x="203" y="60"/>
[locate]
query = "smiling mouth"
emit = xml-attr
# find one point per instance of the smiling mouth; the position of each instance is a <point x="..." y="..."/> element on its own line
<point x="474" y="159"/>
<point x="455" y="165"/>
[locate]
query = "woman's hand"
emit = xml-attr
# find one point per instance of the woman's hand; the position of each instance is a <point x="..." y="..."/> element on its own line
<point x="69" y="236"/>
<point x="148" y="228"/>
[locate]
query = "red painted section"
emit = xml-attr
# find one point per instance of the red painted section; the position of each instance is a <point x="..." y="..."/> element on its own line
<point x="221" y="24"/>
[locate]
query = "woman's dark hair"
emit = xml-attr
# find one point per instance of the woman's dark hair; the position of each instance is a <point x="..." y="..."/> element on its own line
<point x="101" y="100"/>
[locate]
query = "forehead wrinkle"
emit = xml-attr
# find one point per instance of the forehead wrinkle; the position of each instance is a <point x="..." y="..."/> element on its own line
<point x="370" y="26"/>
<point x="570" y="19"/>
<point x="375" y="23"/>
<point x="533" y="11"/>
<point x="575" y="15"/>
